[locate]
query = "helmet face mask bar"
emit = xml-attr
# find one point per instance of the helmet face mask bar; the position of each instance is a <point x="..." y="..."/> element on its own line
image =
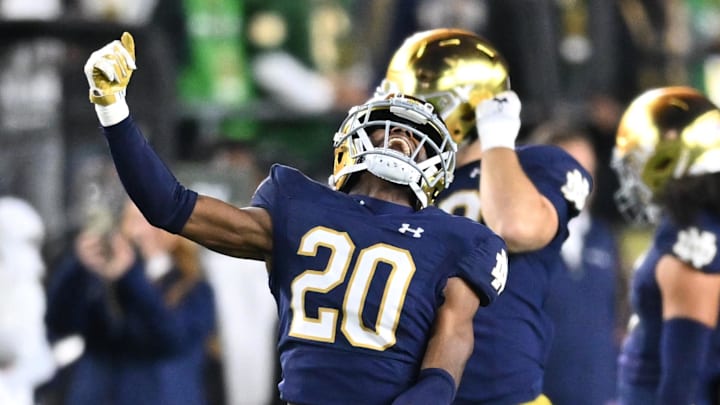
<point x="452" y="69"/>
<point x="665" y="133"/>
<point x="633" y="198"/>
<point x="355" y="152"/>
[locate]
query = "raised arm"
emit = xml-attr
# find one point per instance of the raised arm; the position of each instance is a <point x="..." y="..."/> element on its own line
<point x="511" y="204"/>
<point x="245" y="232"/>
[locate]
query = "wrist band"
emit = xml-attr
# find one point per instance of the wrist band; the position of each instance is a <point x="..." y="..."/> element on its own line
<point x="112" y="114"/>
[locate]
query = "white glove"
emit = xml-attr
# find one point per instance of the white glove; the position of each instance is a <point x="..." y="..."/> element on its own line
<point x="108" y="71"/>
<point x="498" y="121"/>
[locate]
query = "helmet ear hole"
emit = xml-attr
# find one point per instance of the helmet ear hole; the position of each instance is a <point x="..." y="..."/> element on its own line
<point x="659" y="168"/>
<point x="664" y="165"/>
<point x="469" y="115"/>
<point x="457" y="133"/>
<point x="425" y="76"/>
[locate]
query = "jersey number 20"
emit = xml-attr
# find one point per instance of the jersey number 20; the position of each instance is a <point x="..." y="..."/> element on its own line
<point x="342" y="248"/>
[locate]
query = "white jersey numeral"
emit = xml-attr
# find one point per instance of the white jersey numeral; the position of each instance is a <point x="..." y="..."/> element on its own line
<point x="463" y="202"/>
<point x="322" y="329"/>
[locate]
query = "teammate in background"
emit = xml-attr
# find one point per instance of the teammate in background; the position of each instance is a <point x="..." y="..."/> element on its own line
<point x="526" y="195"/>
<point x="374" y="287"/>
<point x="587" y="302"/>
<point x="667" y="156"/>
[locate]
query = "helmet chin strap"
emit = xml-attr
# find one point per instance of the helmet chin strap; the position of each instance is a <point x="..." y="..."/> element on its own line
<point x="391" y="168"/>
<point x="396" y="169"/>
<point x="420" y="194"/>
<point x="381" y="167"/>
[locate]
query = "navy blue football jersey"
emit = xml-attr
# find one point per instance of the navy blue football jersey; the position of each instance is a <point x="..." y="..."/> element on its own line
<point x="358" y="282"/>
<point x="698" y="246"/>
<point x="513" y="336"/>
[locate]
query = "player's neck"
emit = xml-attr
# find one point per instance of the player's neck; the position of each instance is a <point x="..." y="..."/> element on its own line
<point x="375" y="187"/>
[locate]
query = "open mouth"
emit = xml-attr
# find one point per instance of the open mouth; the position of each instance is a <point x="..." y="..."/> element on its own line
<point x="401" y="144"/>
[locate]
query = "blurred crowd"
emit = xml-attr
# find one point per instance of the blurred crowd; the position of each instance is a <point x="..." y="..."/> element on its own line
<point x="231" y="85"/>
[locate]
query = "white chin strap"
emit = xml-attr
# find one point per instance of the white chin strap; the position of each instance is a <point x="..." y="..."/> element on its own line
<point x="392" y="168"/>
<point x="396" y="169"/>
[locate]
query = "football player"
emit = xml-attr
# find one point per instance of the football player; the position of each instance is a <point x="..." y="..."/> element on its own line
<point x="527" y="195"/>
<point x="375" y="289"/>
<point x="667" y="156"/>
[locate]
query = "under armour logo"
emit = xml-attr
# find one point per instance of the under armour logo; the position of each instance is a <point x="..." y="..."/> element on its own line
<point x="416" y="232"/>
<point x="500" y="102"/>
<point x="475" y="172"/>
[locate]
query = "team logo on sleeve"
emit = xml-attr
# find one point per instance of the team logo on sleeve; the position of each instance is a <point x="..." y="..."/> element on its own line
<point x="695" y="247"/>
<point x="500" y="271"/>
<point x="576" y="189"/>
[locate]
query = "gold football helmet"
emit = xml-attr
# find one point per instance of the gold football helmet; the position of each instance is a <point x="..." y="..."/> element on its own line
<point x="665" y="133"/>
<point x="452" y="69"/>
<point x="355" y="152"/>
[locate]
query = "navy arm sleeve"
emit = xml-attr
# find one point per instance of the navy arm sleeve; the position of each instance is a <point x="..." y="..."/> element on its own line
<point x="164" y="202"/>
<point x="684" y="348"/>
